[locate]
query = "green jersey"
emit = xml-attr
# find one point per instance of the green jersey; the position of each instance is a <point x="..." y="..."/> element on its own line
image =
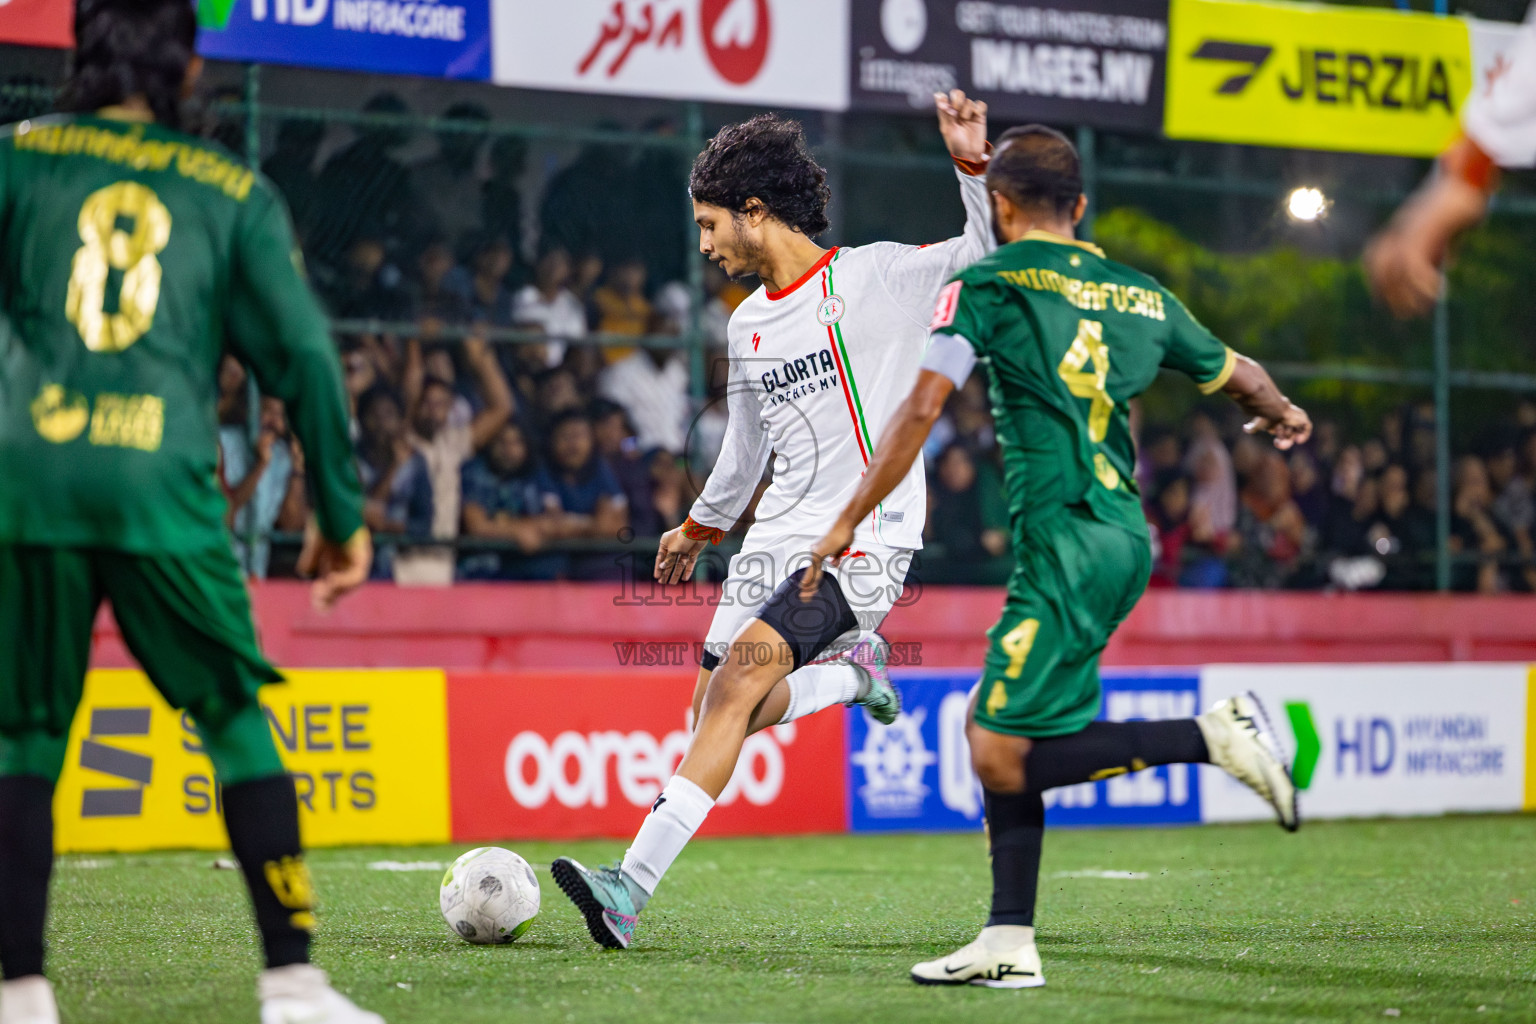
<point x="1068" y="337"/>
<point x="131" y="256"/>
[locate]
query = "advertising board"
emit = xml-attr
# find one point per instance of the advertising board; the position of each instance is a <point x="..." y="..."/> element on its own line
<point x="1095" y="62"/>
<point x="366" y="749"/>
<point x="567" y="754"/>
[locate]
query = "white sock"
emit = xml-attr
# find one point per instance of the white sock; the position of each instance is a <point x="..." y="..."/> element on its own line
<point x="1000" y="938"/>
<point x="674" y="818"/>
<point x="820" y="686"/>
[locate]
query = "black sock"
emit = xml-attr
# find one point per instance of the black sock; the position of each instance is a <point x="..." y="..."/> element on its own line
<point x="263" y="822"/>
<point x="1016" y="822"/>
<point x="1104" y="749"/>
<point x="26" y="861"/>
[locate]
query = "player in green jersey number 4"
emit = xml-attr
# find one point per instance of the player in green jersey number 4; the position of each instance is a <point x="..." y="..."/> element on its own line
<point x="131" y="255"/>
<point x="1068" y="337"/>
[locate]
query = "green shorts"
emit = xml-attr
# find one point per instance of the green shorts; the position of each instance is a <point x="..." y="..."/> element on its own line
<point x="185" y="618"/>
<point x="1076" y="581"/>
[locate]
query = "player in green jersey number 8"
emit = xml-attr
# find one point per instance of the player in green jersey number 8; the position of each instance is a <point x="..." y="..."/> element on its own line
<point x="131" y="254"/>
<point x="1068" y="337"/>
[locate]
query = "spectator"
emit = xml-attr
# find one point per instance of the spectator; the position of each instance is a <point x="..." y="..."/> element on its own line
<point x="722" y="297"/>
<point x="556" y="395"/>
<point x="1513" y="506"/>
<point x="1168" y="516"/>
<point x="1158" y="453"/>
<point x="396" y="486"/>
<point x="1271" y="535"/>
<point x="706" y="433"/>
<point x="446" y="445"/>
<point x="449" y="184"/>
<point x="264" y="484"/>
<point x="433" y="299"/>
<point x="359" y="376"/>
<point x="614" y="437"/>
<point x="292" y="168"/>
<point x="590" y="501"/>
<point x="652" y="383"/>
<point x="549" y="307"/>
<point x="370" y="286"/>
<point x="1401" y="533"/>
<point x="501" y="199"/>
<point x="1307" y="487"/>
<point x="1474" y="531"/>
<point x="503" y="502"/>
<point x="1213" y="496"/>
<point x="365" y="189"/>
<point x="489" y="298"/>
<point x="233" y="408"/>
<point x="589" y="270"/>
<point x="671" y="495"/>
<point x="659" y="198"/>
<point x="584" y="363"/>
<point x="619" y="307"/>
<point x="585" y="206"/>
<point x="968" y="518"/>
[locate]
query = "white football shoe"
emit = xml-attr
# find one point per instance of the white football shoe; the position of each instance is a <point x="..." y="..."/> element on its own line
<point x="302" y="994"/>
<point x="1003" y="956"/>
<point x="28" y="1000"/>
<point x="1243" y="743"/>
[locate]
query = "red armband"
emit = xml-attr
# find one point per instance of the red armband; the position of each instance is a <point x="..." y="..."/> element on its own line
<point x="975" y="168"/>
<point x="698" y="531"/>
<point x="1466" y="160"/>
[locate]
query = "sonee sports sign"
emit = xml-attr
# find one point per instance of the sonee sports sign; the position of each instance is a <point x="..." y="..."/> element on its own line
<point x="1315" y="78"/>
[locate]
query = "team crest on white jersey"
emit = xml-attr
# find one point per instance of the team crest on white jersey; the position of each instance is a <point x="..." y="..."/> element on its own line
<point x="831" y="310"/>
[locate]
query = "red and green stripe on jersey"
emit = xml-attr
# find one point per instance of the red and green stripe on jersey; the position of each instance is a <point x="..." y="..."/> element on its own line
<point x="850" y="384"/>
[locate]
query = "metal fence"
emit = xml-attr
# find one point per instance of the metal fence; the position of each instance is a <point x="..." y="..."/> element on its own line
<point x="891" y="179"/>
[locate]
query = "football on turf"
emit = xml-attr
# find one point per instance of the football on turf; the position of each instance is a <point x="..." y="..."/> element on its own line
<point x="489" y="896"/>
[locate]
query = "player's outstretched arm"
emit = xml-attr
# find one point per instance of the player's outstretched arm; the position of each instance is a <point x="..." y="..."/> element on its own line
<point x="900" y="446"/>
<point x="1251" y="387"/>
<point x="1405" y="263"/>
<point x="915" y="273"/>
<point x="276" y="327"/>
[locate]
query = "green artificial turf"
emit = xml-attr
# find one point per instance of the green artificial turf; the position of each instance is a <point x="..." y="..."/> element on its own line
<point x="1426" y="920"/>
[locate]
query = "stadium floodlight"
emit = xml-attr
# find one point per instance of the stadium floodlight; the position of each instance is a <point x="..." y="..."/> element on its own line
<point x="1307" y="204"/>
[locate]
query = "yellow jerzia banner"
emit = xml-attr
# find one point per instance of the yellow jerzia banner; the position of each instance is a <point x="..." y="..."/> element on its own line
<point x="368" y="751"/>
<point x="1315" y="77"/>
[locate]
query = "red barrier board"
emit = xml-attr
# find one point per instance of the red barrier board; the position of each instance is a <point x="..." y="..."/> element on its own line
<point x="564" y="755"/>
<point x="38" y="23"/>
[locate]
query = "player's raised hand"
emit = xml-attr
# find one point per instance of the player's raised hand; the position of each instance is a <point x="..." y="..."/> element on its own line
<point x="338" y="569"/>
<point x="676" y="556"/>
<point x="834" y="545"/>
<point x="963" y="123"/>
<point x="1290" y="429"/>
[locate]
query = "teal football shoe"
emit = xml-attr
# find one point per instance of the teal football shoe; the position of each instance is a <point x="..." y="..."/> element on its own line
<point x="603" y="898"/>
<point x="880" y="698"/>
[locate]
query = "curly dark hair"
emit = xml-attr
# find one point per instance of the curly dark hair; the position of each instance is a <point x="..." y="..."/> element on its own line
<point x="123" y="47"/>
<point x="767" y="159"/>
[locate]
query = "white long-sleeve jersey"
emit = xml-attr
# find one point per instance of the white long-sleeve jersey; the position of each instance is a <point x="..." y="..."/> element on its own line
<point x="1501" y="117"/>
<point x="816" y="371"/>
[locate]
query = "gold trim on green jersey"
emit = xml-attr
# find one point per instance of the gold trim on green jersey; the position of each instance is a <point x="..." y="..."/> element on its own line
<point x="1219" y="381"/>
<point x="1050" y="236"/>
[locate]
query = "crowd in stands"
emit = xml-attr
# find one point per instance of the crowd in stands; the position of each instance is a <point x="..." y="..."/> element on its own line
<point x="526" y="459"/>
<point x="521" y="449"/>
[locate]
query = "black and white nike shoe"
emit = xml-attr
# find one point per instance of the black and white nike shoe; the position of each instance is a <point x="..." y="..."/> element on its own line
<point x="1001" y="957"/>
<point x="1243" y="743"/>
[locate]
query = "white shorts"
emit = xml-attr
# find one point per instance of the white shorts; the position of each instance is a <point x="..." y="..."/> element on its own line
<point x="871" y="580"/>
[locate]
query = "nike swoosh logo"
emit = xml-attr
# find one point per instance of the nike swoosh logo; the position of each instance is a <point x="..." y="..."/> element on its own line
<point x="957" y="970"/>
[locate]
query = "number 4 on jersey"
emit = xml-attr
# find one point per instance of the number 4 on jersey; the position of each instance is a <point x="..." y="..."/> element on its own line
<point x="1093" y="384"/>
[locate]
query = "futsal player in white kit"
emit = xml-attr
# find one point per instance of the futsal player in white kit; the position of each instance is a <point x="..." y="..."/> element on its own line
<point x="821" y="355"/>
